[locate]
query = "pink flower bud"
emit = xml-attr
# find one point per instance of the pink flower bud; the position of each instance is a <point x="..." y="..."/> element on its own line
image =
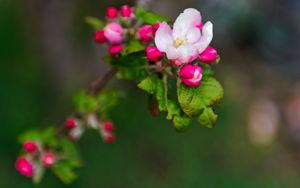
<point x="99" y="37"/>
<point x="126" y="11"/>
<point x="153" y="54"/>
<point x="208" y="55"/>
<point x="108" y="126"/>
<point x="113" y="32"/>
<point x="24" y="166"/>
<point x="156" y="26"/>
<point x="191" y="75"/>
<point x="111" y="13"/>
<point x="146" y="33"/>
<point x="48" y="159"/>
<point x="109" y="138"/>
<point x="70" y="123"/>
<point x="115" y="49"/>
<point x="29" y="147"/>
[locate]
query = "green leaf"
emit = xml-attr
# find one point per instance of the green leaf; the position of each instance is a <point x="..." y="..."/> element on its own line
<point x="33" y="135"/>
<point x="70" y="151"/>
<point x="149" y="84"/>
<point x="94" y="22"/>
<point x="108" y="99"/>
<point x="208" y="118"/>
<point x="85" y="103"/>
<point x="149" y="17"/>
<point x="193" y="99"/>
<point x="64" y="172"/>
<point x="135" y="59"/>
<point x="181" y="123"/>
<point x="48" y="137"/>
<point x="132" y="73"/>
<point x="173" y="109"/>
<point x="155" y="86"/>
<point x="207" y="71"/>
<point x="133" y="46"/>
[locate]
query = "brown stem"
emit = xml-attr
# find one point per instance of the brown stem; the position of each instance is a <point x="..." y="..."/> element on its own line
<point x="101" y="81"/>
<point x="94" y="89"/>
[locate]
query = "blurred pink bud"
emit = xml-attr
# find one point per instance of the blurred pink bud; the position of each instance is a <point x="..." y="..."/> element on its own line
<point x="29" y="147"/>
<point x="24" y="166"/>
<point x="115" y="49"/>
<point x="108" y="126"/>
<point x="208" y="55"/>
<point x="153" y="54"/>
<point x="146" y="33"/>
<point x="191" y="75"/>
<point x="48" y="159"/>
<point x="109" y="138"/>
<point x="113" y="32"/>
<point x="70" y="123"/>
<point x="156" y="26"/>
<point x="111" y="13"/>
<point x="126" y="11"/>
<point x="99" y="37"/>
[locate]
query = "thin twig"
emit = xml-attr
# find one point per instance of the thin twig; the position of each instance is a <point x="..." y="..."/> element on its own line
<point x="101" y="81"/>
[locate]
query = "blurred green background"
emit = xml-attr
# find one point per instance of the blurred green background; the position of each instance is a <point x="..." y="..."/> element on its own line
<point x="47" y="53"/>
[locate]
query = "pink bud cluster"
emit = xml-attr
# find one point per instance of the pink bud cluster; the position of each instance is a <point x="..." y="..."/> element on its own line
<point x="113" y="33"/>
<point x="191" y="75"/>
<point x="125" y="11"/>
<point x="107" y="132"/>
<point x="25" y="164"/>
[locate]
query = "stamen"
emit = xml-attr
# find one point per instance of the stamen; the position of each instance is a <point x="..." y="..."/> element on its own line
<point x="178" y="42"/>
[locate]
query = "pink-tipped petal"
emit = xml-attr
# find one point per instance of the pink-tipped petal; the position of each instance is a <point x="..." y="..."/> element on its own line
<point x="187" y="20"/>
<point x="206" y="38"/>
<point x="163" y="37"/>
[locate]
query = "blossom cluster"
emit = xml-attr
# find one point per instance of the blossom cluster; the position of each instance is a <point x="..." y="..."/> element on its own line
<point x="188" y="41"/>
<point x="145" y="47"/>
<point x="34" y="155"/>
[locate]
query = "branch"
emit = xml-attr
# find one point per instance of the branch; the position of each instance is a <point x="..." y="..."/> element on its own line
<point x="101" y="81"/>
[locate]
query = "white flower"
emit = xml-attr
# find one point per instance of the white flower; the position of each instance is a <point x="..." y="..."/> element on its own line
<point x="187" y="39"/>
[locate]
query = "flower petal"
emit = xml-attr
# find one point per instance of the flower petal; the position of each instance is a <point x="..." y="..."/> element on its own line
<point x="163" y="37"/>
<point x="186" y="53"/>
<point x="193" y="35"/>
<point x="186" y="21"/>
<point x="207" y="35"/>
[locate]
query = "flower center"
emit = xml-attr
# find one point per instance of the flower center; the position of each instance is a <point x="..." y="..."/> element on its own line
<point x="178" y="42"/>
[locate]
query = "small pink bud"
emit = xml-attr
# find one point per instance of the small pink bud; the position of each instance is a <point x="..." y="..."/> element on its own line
<point x="156" y="26"/>
<point x="70" y="123"/>
<point x="99" y="37"/>
<point x="114" y="49"/>
<point x="29" y="147"/>
<point x="208" y="55"/>
<point x="191" y="75"/>
<point x="113" y="32"/>
<point x="109" y="138"/>
<point x="146" y="33"/>
<point x="111" y="13"/>
<point x="24" y="166"/>
<point x="153" y="54"/>
<point x="48" y="159"/>
<point x="108" y="126"/>
<point x="126" y="11"/>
